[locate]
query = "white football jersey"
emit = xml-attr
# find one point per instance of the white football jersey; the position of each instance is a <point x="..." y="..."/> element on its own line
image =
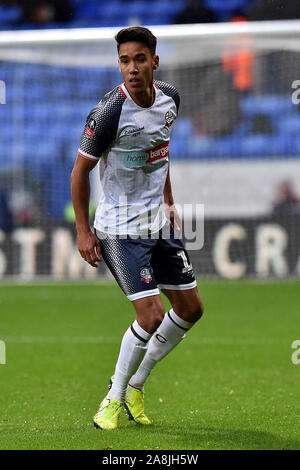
<point x="132" y="144"/>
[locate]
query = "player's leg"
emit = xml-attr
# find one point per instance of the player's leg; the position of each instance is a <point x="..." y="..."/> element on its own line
<point x="128" y="260"/>
<point x="176" y="279"/>
<point x="186" y="303"/>
<point x="186" y="310"/>
<point x="149" y="314"/>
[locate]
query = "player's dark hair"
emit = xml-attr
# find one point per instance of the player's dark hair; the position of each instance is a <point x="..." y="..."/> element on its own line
<point x="138" y="34"/>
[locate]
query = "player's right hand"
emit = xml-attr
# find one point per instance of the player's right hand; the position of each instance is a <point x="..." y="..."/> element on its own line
<point x="89" y="248"/>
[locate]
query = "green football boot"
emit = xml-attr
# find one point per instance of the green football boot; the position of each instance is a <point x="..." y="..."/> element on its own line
<point x="107" y="417"/>
<point x="134" y="404"/>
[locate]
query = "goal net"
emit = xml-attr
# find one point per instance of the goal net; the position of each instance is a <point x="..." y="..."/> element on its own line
<point x="235" y="147"/>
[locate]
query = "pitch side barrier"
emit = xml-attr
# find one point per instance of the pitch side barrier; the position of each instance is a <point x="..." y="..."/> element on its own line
<point x="233" y="249"/>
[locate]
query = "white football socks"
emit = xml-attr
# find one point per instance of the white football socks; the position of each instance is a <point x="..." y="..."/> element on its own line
<point x="169" y="333"/>
<point x="133" y="348"/>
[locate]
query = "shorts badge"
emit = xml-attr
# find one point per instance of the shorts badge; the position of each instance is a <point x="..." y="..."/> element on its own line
<point x="146" y="275"/>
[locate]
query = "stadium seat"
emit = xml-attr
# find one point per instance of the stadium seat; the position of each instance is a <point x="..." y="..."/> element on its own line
<point x="156" y="20"/>
<point x="228" y="147"/>
<point x="272" y="105"/>
<point x="56" y="182"/>
<point x="37" y="112"/>
<point x="183" y="129"/>
<point x="35" y="92"/>
<point x="7" y="72"/>
<point x="87" y="10"/>
<point x="9" y="14"/>
<point x="36" y="155"/>
<point x="226" y="8"/>
<point x="200" y="147"/>
<point x="288" y="125"/>
<point x="267" y="146"/>
<point x="167" y="7"/>
<point x="135" y="8"/>
<point x="112" y="9"/>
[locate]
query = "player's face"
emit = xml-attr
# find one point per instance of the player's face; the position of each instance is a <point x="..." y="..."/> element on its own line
<point x="137" y="65"/>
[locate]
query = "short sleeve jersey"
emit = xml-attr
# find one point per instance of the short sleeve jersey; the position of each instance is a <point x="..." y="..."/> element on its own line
<point x="132" y="144"/>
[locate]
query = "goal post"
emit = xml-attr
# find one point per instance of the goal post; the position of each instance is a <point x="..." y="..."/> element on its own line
<point x="235" y="146"/>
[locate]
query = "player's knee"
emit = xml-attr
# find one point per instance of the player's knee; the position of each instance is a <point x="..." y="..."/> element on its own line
<point x="191" y="312"/>
<point x="155" y="318"/>
<point x="198" y="310"/>
<point x="150" y="316"/>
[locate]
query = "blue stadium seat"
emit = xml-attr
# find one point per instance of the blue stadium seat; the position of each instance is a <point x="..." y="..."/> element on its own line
<point x="34" y="72"/>
<point x="242" y="129"/>
<point x="56" y="180"/>
<point x="86" y="23"/>
<point x="229" y="146"/>
<point x="112" y="9"/>
<point x="200" y="147"/>
<point x="9" y="14"/>
<point x="7" y="134"/>
<point x="178" y="149"/>
<point x="156" y="20"/>
<point x="272" y="105"/>
<point x="183" y="129"/>
<point x="71" y="150"/>
<point x="288" y="125"/>
<point x="226" y="8"/>
<point x="37" y="112"/>
<point x="267" y="146"/>
<point x="220" y="5"/>
<point x="136" y="8"/>
<point x="14" y="93"/>
<point x="159" y="7"/>
<point x="7" y="72"/>
<point x="41" y="152"/>
<point x="87" y="10"/>
<point x="36" y="92"/>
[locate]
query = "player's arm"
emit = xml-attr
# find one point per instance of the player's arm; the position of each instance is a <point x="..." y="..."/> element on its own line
<point x="171" y="210"/>
<point x="168" y="196"/>
<point x="87" y="242"/>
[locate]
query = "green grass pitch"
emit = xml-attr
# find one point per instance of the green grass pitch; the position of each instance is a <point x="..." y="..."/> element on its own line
<point x="230" y="384"/>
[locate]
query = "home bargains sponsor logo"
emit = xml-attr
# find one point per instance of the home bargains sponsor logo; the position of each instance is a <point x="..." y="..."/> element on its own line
<point x="140" y="158"/>
<point x="161" y="151"/>
<point x="135" y="158"/>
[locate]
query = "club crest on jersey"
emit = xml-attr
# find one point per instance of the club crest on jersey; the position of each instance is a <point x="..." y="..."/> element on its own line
<point x="169" y="118"/>
<point x="146" y="275"/>
<point x="90" y="128"/>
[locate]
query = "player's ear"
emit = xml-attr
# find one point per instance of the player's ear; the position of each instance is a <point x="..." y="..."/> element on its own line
<point x="155" y="62"/>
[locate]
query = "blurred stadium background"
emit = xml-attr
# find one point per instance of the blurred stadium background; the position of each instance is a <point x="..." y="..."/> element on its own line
<point x="235" y="145"/>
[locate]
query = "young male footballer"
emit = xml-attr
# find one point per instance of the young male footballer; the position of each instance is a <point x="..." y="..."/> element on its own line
<point x="128" y="132"/>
